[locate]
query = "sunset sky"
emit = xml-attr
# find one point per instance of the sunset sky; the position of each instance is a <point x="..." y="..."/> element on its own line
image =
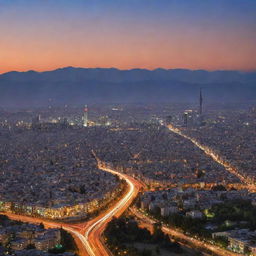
<point x="196" y="34"/>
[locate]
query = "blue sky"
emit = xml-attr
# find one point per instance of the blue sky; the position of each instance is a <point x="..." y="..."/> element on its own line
<point x="136" y="33"/>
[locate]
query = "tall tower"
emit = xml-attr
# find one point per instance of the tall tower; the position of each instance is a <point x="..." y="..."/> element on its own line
<point x="85" y="116"/>
<point x="201" y="102"/>
<point x="185" y="119"/>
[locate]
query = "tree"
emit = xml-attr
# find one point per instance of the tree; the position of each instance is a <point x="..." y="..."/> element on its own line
<point x="158" y="235"/>
<point x="219" y="188"/>
<point x="146" y="252"/>
<point x="30" y="247"/>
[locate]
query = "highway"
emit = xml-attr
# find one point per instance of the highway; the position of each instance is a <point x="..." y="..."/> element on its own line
<point x="230" y="168"/>
<point x="73" y="229"/>
<point x="88" y="235"/>
<point x="94" y="230"/>
<point x="194" y="243"/>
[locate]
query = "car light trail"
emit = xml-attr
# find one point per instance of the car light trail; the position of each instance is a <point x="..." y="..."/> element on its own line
<point x="195" y="243"/>
<point x="233" y="170"/>
<point x="110" y="214"/>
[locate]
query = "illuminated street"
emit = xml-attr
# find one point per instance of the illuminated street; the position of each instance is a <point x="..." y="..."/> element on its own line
<point x="94" y="230"/>
<point x="216" y="158"/>
<point x="88" y="234"/>
<point x="177" y="234"/>
<point x="128" y="128"/>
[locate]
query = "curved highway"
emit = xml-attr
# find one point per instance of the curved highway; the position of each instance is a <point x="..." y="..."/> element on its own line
<point x="93" y="232"/>
<point x="88" y="235"/>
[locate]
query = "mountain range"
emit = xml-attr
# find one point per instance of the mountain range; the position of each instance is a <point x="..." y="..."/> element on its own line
<point x="110" y="85"/>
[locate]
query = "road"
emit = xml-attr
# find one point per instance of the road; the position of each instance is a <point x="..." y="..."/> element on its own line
<point x="73" y="229"/>
<point x="93" y="232"/>
<point x="195" y="243"/>
<point x="88" y="235"/>
<point x="230" y="168"/>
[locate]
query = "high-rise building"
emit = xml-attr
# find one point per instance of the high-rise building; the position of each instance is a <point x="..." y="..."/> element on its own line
<point x="185" y="119"/>
<point x="85" y="116"/>
<point x="189" y="118"/>
<point x="36" y="120"/>
<point x="65" y="122"/>
<point x="201" y="102"/>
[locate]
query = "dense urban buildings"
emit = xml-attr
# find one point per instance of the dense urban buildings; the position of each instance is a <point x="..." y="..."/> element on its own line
<point x="224" y="217"/>
<point x="50" y="172"/>
<point x="53" y="166"/>
<point x="158" y="157"/>
<point x="19" y="239"/>
<point x="128" y="128"/>
<point x="232" y="136"/>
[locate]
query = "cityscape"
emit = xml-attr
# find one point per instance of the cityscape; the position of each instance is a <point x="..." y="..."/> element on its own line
<point x="127" y="128"/>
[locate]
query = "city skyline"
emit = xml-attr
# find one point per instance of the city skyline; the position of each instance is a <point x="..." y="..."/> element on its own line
<point x="136" y="34"/>
<point x="127" y="127"/>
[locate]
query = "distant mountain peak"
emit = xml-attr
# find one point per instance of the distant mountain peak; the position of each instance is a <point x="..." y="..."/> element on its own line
<point x="84" y="85"/>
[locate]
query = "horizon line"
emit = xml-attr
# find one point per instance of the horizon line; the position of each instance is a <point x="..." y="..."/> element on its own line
<point x="138" y="68"/>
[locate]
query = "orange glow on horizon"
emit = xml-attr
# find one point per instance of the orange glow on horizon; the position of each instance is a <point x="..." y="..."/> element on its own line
<point x="128" y="53"/>
<point x="134" y="47"/>
<point x="128" y="34"/>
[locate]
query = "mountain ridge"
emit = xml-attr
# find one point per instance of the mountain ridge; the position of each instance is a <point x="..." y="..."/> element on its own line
<point x="80" y="85"/>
